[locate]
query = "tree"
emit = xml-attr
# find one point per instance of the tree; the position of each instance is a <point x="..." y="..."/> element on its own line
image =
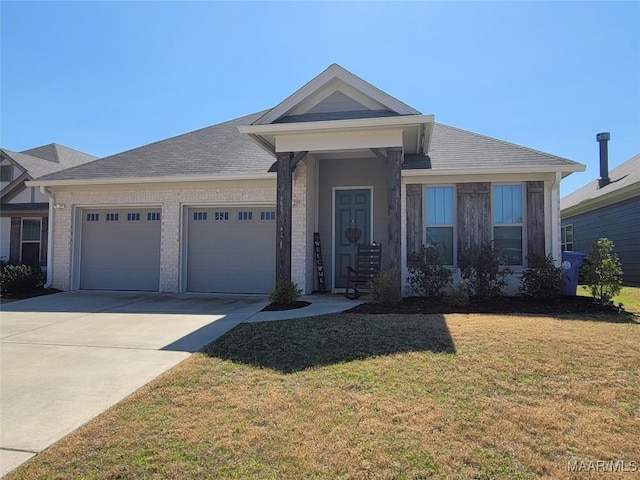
<point x="602" y="271"/>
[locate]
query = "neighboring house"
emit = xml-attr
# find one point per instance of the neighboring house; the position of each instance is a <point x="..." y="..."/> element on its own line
<point x="24" y="211"/>
<point x="232" y="207"/>
<point x="607" y="207"/>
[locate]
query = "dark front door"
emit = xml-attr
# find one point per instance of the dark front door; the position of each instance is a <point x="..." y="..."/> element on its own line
<point x="353" y="226"/>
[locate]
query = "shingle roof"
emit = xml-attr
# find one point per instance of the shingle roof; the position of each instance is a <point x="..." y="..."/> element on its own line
<point x="47" y="159"/>
<point x="222" y="150"/>
<point x="453" y="148"/>
<point x="217" y="150"/>
<point x="624" y="175"/>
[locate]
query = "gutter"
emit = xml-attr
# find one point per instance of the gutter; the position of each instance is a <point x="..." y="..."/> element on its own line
<point x="47" y="192"/>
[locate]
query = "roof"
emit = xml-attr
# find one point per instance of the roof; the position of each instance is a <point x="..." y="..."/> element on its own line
<point x="452" y="148"/>
<point x="625" y="183"/>
<point x="47" y="159"/>
<point x="217" y="150"/>
<point x="221" y="150"/>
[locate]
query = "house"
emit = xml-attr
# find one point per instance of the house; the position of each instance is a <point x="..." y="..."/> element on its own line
<point x="24" y="210"/>
<point x="607" y="207"/>
<point x="232" y="207"/>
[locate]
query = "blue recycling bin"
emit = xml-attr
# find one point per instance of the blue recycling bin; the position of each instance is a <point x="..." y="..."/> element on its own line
<point x="571" y="262"/>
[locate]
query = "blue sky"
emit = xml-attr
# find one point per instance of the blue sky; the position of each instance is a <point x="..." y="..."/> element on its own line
<point x="104" y="77"/>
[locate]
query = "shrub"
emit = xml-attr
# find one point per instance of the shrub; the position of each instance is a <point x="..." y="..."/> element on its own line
<point x="286" y="293"/>
<point x="542" y="279"/>
<point x="428" y="277"/>
<point x="481" y="272"/>
<point x="458" y="296"/>
<point x="385" y="287"/>
<point x="20" y="278"/>
<point x="602" y="271"/>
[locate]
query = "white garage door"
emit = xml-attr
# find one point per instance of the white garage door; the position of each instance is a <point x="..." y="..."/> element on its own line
<point x="231" y="250"/>
<point x="120" y="249"/>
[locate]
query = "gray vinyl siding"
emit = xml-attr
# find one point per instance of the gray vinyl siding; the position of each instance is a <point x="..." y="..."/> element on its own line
<point x="351" y="173"/>
<point x="620" y="223"/>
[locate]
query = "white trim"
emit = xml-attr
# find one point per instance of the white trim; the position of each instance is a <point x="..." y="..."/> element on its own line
<point x="338" y="125"/>
<point x="50" y="223"/>
<point x="454" y="226"/>
<point x="523" y="219"/>
<point x="555" y="219"/>
<point x="333" y="228"/>
<point x="170" y="179"/>
<point x="480" y="170"/>
<point x="334" y="71"/>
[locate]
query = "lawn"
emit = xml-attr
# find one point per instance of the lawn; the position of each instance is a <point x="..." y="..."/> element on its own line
<point x="357" y="396"/>
<point x="629" y="297"/>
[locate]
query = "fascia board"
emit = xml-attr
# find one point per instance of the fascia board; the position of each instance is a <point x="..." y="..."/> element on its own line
<point x="496" y="170"/>
<point x="334" y="71"/>
<point x="132" y="180"/>
<point x="358" y="123"/>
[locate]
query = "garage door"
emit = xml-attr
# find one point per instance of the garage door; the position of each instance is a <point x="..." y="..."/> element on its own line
<point x="120" y="249"/>
<point x="231" y="250"/>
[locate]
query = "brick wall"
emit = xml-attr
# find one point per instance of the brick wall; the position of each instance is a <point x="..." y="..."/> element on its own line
<point x="171" y="197"/>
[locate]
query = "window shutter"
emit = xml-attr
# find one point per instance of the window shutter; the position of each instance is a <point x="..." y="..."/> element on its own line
<point x="414" y="220"/>
<point x="535" y="218"/>
<point x="14" y="246"/>
<point x="474" y="214"/>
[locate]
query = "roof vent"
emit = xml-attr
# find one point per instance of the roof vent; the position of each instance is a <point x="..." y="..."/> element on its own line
<point x="602" y="139"/>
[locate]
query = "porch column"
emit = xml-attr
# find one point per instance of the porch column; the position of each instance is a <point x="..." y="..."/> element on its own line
<point x="283" y="216"/>
<point x="286" y="164"/>
<point x="394" y="206"/>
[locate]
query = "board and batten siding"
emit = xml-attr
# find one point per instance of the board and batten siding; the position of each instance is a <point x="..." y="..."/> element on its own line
<point x="620" y="223"/>
<point x="474" y="222"/>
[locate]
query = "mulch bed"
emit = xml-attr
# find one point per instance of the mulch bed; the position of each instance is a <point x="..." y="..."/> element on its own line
<point x="278" y="307"/>
<point x="561" y="305"/>
<point x="8" y="297"/>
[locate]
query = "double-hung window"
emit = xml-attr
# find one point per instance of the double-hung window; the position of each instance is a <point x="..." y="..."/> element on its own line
<point x="439" y="221"/>
<point x="566" y="232"/>
<point x="507" y="223"/>
<point x="30" y="241"/>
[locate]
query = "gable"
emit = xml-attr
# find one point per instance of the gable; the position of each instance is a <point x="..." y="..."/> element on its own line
<point x="335" y="94"/>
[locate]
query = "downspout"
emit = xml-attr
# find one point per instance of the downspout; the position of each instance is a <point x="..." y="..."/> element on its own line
<point x="47" y="192"/>
<point x="555" y="219"/>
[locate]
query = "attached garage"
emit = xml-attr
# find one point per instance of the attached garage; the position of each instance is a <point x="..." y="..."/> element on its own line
<point x="230" y="250"/>
<point x="120" y="249"/>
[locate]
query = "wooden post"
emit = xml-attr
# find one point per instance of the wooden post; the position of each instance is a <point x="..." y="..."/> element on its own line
<point x="394" y="209"/>
<point x="283" y="216"/>
<point x="414" y="221"/>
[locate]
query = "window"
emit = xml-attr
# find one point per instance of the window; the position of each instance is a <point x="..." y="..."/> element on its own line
<point x="566" y="240"/>
<point x="267" y="215"/>
<point x="507" y="223"/>
<point x="133" y="217"/>
<point x="112" y="217"/>
<point x="245" y="215"/>
<point x="5" y="173"/>
<point x="221" y="215"/>
<point x="199" y="216"/>
<point x="30" y="241"/>
<point x="93" y="217"/>
<point x="153" y="216"/>
<point x="439" y="221"/>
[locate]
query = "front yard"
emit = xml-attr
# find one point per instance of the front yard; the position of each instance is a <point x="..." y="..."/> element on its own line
<point x="376" y="396"/>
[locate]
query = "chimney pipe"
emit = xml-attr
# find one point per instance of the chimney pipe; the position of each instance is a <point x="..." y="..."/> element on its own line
<point x="602" y="139"/>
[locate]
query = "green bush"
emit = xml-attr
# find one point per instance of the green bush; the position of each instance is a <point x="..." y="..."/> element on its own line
<point x="457" y="297"/>
<point x="542" y="279"/>
<point x="428" y="277"/>
<point x="286" y="293"/>
<point x="20" y="278"/>
<point x="482" y="274"/>
<point x="602" y="271"/>
<point x="385" y="287"/>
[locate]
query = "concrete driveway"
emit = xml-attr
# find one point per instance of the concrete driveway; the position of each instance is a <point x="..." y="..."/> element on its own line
<point x="65" y="358"/>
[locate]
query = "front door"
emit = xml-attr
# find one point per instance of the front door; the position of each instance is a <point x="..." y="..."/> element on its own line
<point x="353" y="226"/>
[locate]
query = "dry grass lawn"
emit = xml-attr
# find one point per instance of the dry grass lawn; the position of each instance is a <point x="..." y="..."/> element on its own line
<point x="376" y="397"/>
